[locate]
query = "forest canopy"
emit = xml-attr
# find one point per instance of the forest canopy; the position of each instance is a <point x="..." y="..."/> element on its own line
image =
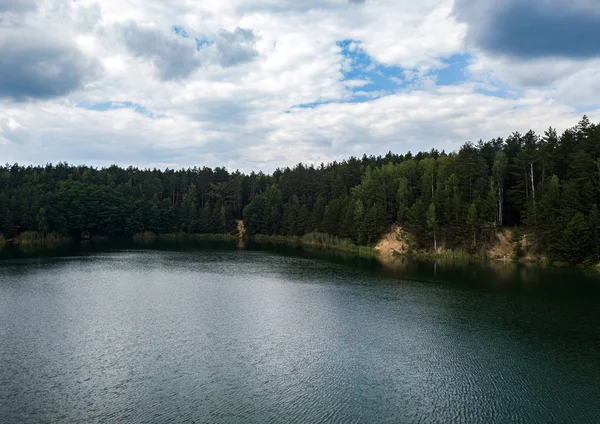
<point x="548" y="184"/>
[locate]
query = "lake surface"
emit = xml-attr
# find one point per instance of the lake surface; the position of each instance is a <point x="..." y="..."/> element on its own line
<point x="212" y="333"/>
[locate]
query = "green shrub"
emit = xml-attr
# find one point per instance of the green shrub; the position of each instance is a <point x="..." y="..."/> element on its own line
<point x="144" y="235"/>
<point x="31" y="237"/>
<point x="327" y="240"/>
<point x="28" y="237"/>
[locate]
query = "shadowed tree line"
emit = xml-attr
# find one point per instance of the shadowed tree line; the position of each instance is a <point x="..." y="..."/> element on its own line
<point x="548" y="184"/>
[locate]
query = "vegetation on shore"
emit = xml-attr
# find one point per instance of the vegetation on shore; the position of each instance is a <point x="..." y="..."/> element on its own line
<point x="547" y="186"/>
<point x="508" y="245"/>
<point x="320" y="240"/>
<point x="149" y="236"/>
<point x="35" y="237"/>
<point x="185" y="236"/>
<point x="144" y="235"/>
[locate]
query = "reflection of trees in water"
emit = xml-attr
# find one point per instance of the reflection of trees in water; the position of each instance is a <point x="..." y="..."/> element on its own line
<point x="144" y="241"/>
<point x="38" y="250"/>
<point x="497" y="276"/>
<point x="393" y="263"/>
<point x="35" y="249"/>
<point x="350" y="258"/>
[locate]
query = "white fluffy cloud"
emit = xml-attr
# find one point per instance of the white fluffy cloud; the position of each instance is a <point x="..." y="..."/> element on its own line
<point x="219" y="82"/>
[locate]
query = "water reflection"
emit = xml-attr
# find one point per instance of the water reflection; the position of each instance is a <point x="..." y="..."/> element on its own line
<point x="494" y="276"/>
<point x="209" y="332"/>
<point x="498" y="276"/>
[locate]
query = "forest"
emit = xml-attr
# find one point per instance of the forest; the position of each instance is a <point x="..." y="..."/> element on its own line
<point x="546" y="185"/>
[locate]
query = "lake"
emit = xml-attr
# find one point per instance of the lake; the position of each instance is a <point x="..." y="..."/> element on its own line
<point x="217" y="333"/>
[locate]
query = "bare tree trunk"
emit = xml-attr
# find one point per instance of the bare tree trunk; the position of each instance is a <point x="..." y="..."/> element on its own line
<point x="543" y="173"/>
<point x="432" y="180"/>
<point x="500" y="203"/>
<point x="533" y="193"/>
<point x="532" y="183"/>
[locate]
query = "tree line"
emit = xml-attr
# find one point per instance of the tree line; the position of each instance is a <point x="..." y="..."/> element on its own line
<point x="548" y="185"/>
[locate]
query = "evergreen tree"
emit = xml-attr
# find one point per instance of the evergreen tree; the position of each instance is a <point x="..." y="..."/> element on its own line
<point x="42" y="221"/>
<point x="576" y="240"/>
<point x="432" y="224"/>
<point x="473" y="223"/>
<point x="547" y="186"/>
<point x="499" y="172"/>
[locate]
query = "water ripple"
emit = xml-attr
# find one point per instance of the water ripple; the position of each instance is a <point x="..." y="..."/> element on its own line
<point x="221" y="337"/>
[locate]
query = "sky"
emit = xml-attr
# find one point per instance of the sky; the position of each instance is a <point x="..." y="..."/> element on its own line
<point x="261" y="84"/>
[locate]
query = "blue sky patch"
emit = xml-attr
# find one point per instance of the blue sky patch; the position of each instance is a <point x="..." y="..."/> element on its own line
<point x="200" y="42"/>
<point x="105" y="106"/>
<point x="494" y="92"/>
<point x="455" y="70"/>
<point x="377" y="79"/>
<point x="499" y="89"/>
<point x="312" y="105"/>
<point x="586" y="108"/>
<point x="366" y="79"/>
<point x="179" y="30"/>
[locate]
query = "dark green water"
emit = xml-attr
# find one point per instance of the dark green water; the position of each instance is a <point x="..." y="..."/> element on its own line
<point x="212" y="333"/>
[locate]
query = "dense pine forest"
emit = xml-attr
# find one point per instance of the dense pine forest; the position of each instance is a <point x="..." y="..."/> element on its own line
<point x="547" y="185"/>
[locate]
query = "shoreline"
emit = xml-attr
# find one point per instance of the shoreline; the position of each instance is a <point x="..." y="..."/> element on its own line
<point x="316" y="240"/>
<point x="39" y="242"/>
<point x="301" y="241"/>
<point x="343" y="246"/>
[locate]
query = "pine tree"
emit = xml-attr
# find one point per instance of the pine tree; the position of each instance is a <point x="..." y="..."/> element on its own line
<point x="359" y="223"/>
<point x="473" y="224"/>
<point x="499" y="172"/>
<point x="432" y="224"/>
<point x="42" y="221"/>
<point x="189" y="211"/>
<point x="576" y="241"/>
<point x="594" y="232"/>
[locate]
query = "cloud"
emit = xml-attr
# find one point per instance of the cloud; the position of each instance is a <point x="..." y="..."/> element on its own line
<point x="414" y="36"/>
<point x="174" y="56"/>
<point x="86" y="18"/>
<point x="214" y="83"/>
<point x="533" y="28"/>
<point x="288" y="7"/>
<point x="17" y="6"/>
<point x="235" y="47"/>
<point x="443" y="118"/>
<point x="37" y="66"/>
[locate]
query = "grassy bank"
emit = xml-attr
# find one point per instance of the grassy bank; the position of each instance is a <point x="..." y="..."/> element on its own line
<point x="144" y="236"/>
<point x="458" y="254"/>
<point x="319" y="240"/>
<point x="100" y="238"/>
<point x="33" y="237"/>
<point x="186" y="236"/>
<point x="149" y="236"/>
